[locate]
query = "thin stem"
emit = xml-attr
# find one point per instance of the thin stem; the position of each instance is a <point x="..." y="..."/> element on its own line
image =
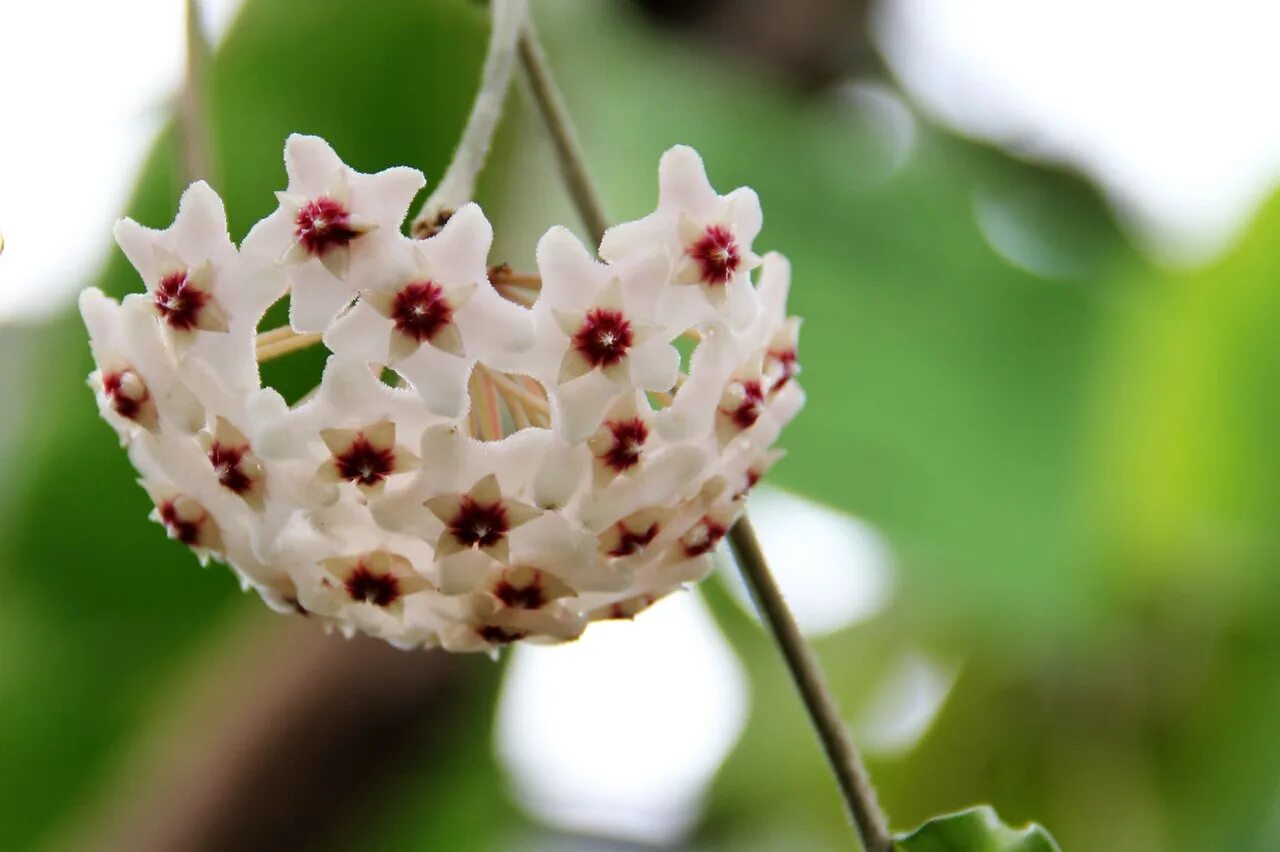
<point x="504" y="275"/>
<point x="527" y="398"/>
<point x="278" y="344"/>
<point x="855" y="784"/>
<point x="459" y="182"/>
<point x="193" y="112"/>
<point x="546" y="95"/>
<point x="852" y="777"/>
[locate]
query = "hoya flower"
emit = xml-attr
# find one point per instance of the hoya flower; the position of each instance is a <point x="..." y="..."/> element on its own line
<point x="365" y="457"/>
<point x="137" y="381"/>
<point x="332" y="228"/>
<point x="620" y="446"/>
<point x="188" y="521"/>
<point x="488" y="456"/>
<point x="206" y="298"/>
<point x="178" y="264"/>
<point x="707" y="238"/>
<point x="380" y="578"/>
<point x="481" y="519"/>
<point x="237" y="468"/>
<point x="512" y="603"/>
<point x="599" y="332"/>
<point x="431" y="314"/>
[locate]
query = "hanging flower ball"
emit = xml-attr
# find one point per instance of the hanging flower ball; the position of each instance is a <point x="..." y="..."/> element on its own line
<point x="543" y="456"/>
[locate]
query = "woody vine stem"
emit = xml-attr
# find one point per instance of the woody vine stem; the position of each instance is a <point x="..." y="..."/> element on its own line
<point x="855" y="785"/>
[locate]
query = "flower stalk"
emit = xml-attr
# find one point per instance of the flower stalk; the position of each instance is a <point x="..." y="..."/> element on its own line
<point x="536" y="73"/>
<point x="855" y="785"/>
<point x="459" y="182"/>
<point x="193" y="114"/>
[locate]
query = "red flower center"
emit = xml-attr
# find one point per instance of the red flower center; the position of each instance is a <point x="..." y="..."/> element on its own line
<point x="787" y="365"/>
<point x="179" y="303"/>
<point x="323" y="224"/>
<point x="479" y="524"/>
<point x="364" y="463"/>
<point x="420" y="310"/>
<point x="226" y="464"/>
<point x="377" y="589"/>
<point x="604" y="338"/>
<point x="516" y="597"/>
<point x="628" y="443"/>
<point x="717" y="255"/>
<point x="747" y="412"/>
<point x="187" y="532"/>
<point x="632" y="541"/>
<point x="498" y="635"/>
<point x="122" y="402"/>
<point x="703" y="537"/>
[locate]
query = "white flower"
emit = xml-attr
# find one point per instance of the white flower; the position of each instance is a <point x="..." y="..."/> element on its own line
<point x="706" y="236"/>
<point x="481" y="519"/>
<point x="597" y="332"/>
<point x="331" y="228"/>
<point x="488" y="456"/>
<point x="431" y="313"/>
<point x="137" y="380"/>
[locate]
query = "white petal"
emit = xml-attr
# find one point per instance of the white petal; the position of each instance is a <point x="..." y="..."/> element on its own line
<point x="439" y="378"/>
<point x="655" y="365"/>
<point x="574" y="365"/>
<point x="683" y="184"/>
<point x="562" y="473"/>
<point x="744" y="214"/>
<point x="448" y="339"/>
<point x="312" y="165"/>
<point x="459" y="253"/>
<point x="316" y="297"/>
<point x="570" y="276"/>
<point x="486" y="491"/>
<point x="336" y="259"/>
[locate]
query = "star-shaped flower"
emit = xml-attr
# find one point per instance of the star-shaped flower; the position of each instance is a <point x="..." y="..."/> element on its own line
<point x="137" y="382"/>
<point x="756" y="404"/>
<point x="635" y="533"/>
<point x="514" y="602"/>
<point x="707" y="236"/>
<point x="178" y="264"/>
<point x="480" y="519"/>
<point x="331" y="228"/>
<point x="234" y="464"/>
<point x="431" y="313"/>
<point x="620" y="444"/>
<point x="741" y="405"/>
<point x="378" y="578"/>
<point x="782" y="359"/>
<point x="187" y="520"/>
<point x="706" y="533"/>
<point x="607" y="340"/>
<point x="365" y="457"/>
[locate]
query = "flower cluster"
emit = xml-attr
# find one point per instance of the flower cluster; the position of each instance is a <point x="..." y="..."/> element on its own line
<point x="488" y="456"/>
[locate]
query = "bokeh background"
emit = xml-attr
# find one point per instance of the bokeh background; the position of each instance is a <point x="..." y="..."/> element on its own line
<point x="1029" y="516"/>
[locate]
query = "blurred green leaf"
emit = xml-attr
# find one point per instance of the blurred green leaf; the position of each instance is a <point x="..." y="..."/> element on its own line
<point x="977" y="829"/>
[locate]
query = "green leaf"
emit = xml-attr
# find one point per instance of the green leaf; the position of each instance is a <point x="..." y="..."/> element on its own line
<point x="975" y="830"/>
